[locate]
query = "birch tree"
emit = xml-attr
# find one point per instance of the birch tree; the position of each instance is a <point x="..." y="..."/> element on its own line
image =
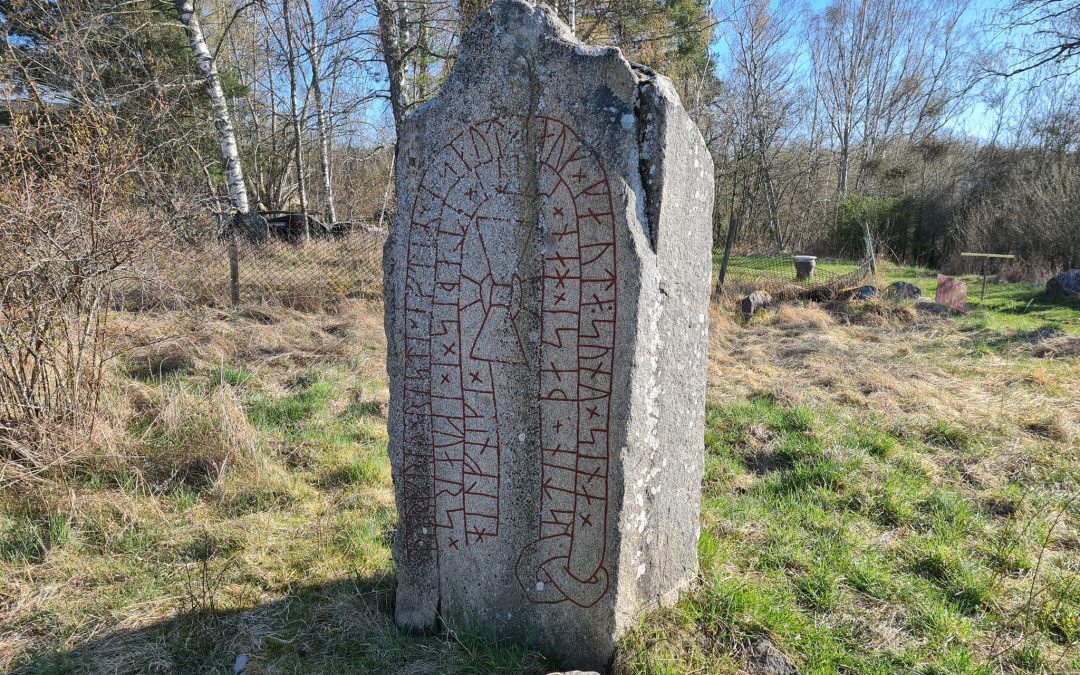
<point x="1043" y="33"/>
<point x="885" y="70"/>
<point x="230" y="154"/>
<point x="295" y="112"/>
<point x="315" y="61"/>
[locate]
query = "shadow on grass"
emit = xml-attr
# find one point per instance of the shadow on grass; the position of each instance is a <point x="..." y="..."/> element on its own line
<point x="345" y="626"/>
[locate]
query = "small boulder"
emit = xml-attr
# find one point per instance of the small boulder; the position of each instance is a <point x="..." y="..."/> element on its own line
<point x="1065" y="285"/>
<point x="755" y="302"/>
<point x="240" y="664"/>
<point x="767" y="659"/>
<point x="903" y="290"/>
<point x="936" y="308"/>
<point x="865" y="292"/>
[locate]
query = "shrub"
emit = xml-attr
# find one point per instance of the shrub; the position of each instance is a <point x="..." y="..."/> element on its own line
<point x="67" y="228"/>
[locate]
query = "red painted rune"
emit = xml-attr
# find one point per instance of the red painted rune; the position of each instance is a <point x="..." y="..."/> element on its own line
<point x="464" y="300"/>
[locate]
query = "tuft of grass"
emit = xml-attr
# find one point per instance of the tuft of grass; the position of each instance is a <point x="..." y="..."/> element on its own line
<point x="948" y="436"/>
<point x="814" y="475"/>
<point x="1059" y="612"/>
<point x="367" y="469"/>
<point x="27" y="539"/>
<point x="230" y="375"/>
<point x="965" y="584"/>
<point x="819" y="589"/>
<point x="161" y="362"/>
<point x="1029" y="658"/>
<point x="872" y="577"/>
<point x="874" y="441"/>
<point x="1050" y="428"/>
<point x="895" y="498"/>
<point x="940" y="622"/>
<point x="285" y="413"/>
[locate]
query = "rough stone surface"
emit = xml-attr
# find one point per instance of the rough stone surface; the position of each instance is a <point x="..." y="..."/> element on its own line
<point x="1066" y="284"/>
<point x="767" y="659"/>
<point x="931" y="308"/>
<point x="951" y="292"/>
<point x="754" y="303"/>
<point x="547" y="283"/>
<point x="903" y="290"/>
<point x="804" y="269"/>
<point x="865" y="292"/>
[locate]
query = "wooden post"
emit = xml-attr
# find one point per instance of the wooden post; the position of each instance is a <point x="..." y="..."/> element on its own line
<point x="982" y="294"/>
<point x="733" y="227"/>
<point x="870" y="252"/>
<point x="234" y="271"/>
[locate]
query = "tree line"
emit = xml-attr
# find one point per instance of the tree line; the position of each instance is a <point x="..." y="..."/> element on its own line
<point x="939" y="125"/>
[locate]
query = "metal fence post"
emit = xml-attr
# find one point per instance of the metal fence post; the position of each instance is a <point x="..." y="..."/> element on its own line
<point x="733" y="227"/>
<point x="234" y="271"/>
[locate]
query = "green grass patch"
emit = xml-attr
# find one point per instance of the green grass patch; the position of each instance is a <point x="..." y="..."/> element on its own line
<point x="284" y="414"/>
<point x="866" y="534"/>
<point x="1015" y="311"/>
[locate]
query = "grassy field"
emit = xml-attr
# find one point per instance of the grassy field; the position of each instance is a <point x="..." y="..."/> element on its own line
<point x="750" y="267"/>
<point x="1008" y="307"/>
<point x="886" y="491"/>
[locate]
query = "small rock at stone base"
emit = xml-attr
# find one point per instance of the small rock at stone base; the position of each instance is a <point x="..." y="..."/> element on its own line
<point x="755" y="302"/>
<point x="865" y="292"/>
<point x="767" y="659"/>
<point x="1066" y="284"/>
<point x="935" y="308"/>
<point x="903" y="290"/>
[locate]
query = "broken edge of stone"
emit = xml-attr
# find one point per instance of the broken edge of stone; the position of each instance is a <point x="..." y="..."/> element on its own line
<point x="657" y="100"/>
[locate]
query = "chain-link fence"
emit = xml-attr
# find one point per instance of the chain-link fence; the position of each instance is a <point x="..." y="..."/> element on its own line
<point x="788" y="274"/>
<point x="307" y="273"/>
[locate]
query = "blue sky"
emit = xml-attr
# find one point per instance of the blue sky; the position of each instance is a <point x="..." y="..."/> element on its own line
<point x="974" y="120"/>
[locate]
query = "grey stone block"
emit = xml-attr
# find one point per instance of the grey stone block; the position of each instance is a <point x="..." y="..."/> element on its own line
<point x="547" y="284"/>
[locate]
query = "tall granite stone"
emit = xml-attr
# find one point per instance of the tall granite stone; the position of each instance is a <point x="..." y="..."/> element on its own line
<point x="547" y="283"/>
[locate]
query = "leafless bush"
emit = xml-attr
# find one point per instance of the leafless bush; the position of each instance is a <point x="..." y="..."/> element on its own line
<point x="67" y="225"/>
<point x="1031" y="211"/>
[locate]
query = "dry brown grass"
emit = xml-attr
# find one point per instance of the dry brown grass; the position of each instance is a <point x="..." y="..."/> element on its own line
<point x="297" y="514"/>
<point x="177" y="457"/>
<point x="899" y="364"/>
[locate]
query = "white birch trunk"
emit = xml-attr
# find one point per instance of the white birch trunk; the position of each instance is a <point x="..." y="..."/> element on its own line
<point x="294" y="107"/>
<point x="315" y="56"/>
<point x="230" y="154"/>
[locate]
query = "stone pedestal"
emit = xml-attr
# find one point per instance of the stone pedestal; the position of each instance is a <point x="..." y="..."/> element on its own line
<point x="547" y="284"/>
<point x="804" y="267"/>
